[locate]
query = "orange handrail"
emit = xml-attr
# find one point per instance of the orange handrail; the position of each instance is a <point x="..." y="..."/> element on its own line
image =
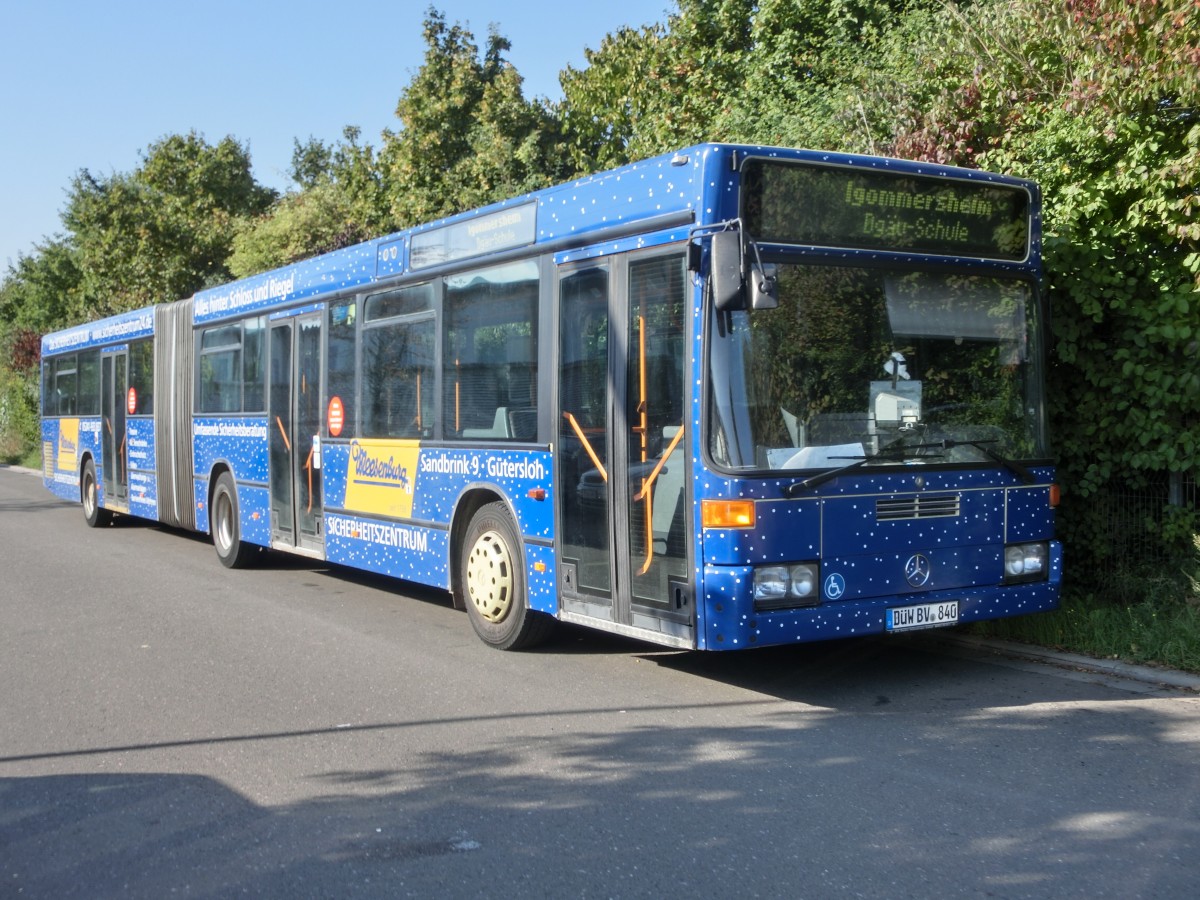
<point x="587" y="445"/>
<point x="282" y="433"/>
<point x="650" y="479"/>
<point x="309" y="468"/>
<point x="643" y="431"/>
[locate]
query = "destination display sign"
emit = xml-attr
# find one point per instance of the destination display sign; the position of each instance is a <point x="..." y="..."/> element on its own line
<point x="504" y="229"/>
<point x="792" y="203"/>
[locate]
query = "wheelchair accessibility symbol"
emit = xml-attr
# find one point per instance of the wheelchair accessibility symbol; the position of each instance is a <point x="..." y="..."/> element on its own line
<point x="835" y="586"/>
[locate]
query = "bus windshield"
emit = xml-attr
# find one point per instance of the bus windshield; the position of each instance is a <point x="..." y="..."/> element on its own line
<point x="878" y="367"/>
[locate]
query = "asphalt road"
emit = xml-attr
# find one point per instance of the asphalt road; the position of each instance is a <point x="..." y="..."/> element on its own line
<point x="169" y="728"/>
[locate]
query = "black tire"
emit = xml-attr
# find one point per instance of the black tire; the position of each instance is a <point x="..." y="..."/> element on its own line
<point x="492" y="583"/>
<point x="89" y="495"/>
<point x="225" y="525"/>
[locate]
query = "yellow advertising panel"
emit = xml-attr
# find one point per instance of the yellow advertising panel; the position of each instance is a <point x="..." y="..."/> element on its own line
<point x="381" y="476"/>
<point x="67" y="457"/>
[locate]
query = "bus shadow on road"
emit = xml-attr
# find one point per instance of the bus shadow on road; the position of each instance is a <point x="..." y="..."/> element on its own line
<point x="156" y="835"/>
<point x="16" y="505"/>
<point x="883" y="674"/>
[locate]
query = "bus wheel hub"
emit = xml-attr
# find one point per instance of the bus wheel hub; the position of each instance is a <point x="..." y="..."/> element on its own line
<point x="490" y="577"/>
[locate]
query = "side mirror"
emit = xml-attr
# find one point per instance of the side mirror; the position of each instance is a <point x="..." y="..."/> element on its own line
<point x="726" y="270"/>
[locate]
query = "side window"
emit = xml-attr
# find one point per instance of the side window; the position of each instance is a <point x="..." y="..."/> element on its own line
<point x="71" y="384"/>
<point x="399" y="337"/>
<point x="490" y="358"/>
<point x="141" y="375"/>
<point x="232" y="368"/>
<point x="220" y="369"/>
<point x="657" y="310"/>
<point x="89" y="383"/>
<point x="66" y="385"/>
<point x="583" y="372"/>
<point x="340" y="362"/>
<point x="49" y="398"/>
<point x="254" y="365"/>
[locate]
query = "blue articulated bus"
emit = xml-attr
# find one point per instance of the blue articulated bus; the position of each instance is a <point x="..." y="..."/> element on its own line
<point x="729" y="397"/>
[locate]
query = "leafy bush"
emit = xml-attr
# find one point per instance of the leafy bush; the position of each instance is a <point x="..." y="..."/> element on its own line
<point x="19" y="424"/>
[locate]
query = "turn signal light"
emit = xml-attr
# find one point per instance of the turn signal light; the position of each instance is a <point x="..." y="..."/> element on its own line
<point x="727" y="513"/>
<point x="1055" y="495"/>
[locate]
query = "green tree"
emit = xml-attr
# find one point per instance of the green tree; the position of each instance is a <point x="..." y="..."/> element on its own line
<point x="650" y="90"/>
<point x="340" y="201"/>
<point x="605" y="101"/>
<point x="165" y="230"/>
<point x="467" y="136"/>
<point x="35" y="294"/>
<point x="43" y="290"/>
<point x="793" y="72"/>
<point x="1098" y="101"/>
<point x="317" y="220"/>
<point x="808" y="80"/>
<point x="352" y="167"/>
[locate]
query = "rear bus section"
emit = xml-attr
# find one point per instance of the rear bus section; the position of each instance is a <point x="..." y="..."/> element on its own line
<point x="98" y="406"/>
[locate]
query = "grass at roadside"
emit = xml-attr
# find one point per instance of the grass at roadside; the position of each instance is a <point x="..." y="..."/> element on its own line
<point x="1160" y="628"/>
<point x="21" y="456"/>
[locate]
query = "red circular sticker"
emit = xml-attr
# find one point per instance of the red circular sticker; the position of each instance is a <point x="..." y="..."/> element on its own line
<point x="337" y="416"/>
<point x="131" y="401"/>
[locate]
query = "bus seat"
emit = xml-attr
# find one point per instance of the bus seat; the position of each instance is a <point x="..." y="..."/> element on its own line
<point x="478" y="396"/>
<point x="522" y="423"/>
<point x="499" y="427"/>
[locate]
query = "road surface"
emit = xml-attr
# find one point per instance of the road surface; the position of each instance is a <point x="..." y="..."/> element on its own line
<point x="169" y="728"/>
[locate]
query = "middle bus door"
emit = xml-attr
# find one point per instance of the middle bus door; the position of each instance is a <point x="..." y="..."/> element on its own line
<point x="294" y="426"/>
<point x="621" y="457"/>
<point x="114" y="371"/>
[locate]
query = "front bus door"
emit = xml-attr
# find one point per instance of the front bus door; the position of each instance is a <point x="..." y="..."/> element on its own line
<point x="621" y="456"/>
<point x="115" y="460"/>
<point x="294" y="426"/>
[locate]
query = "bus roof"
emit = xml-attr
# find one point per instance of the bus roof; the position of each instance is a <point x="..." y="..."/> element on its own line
<point x="676" y="189"/>
<point x="124" y="326"/>
<point x="680" y="189"/>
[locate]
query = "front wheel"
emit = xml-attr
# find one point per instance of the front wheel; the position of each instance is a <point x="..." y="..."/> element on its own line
<point x="492" y="582"/>
<point x="233" y="552"/>
<point x="89" y="493"/>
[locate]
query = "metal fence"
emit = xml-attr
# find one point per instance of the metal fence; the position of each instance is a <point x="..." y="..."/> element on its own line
<point x="1133" y="520"/>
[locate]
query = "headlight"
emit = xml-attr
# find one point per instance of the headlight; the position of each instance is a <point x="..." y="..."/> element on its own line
<point x="780" y="587"/>
<point x="770" y="583"/>
<point x="803" y="581"/>
<point x="1026" y="562"/>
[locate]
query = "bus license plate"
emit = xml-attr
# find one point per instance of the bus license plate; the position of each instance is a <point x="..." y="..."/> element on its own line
<point x="929" y="615"/>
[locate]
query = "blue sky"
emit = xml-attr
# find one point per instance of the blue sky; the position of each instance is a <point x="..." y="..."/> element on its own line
<point x="89" y="85"/>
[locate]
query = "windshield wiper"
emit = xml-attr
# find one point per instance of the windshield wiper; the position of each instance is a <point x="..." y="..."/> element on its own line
<point x="893" y="452"/>
<point x="1015" y="467"/>
<point x="897" y="451"/>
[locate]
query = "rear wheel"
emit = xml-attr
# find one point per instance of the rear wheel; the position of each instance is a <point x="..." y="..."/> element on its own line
<point x="233" y="552"/>
<point x="492" y="582"/>
<point x="89" y="493"/>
